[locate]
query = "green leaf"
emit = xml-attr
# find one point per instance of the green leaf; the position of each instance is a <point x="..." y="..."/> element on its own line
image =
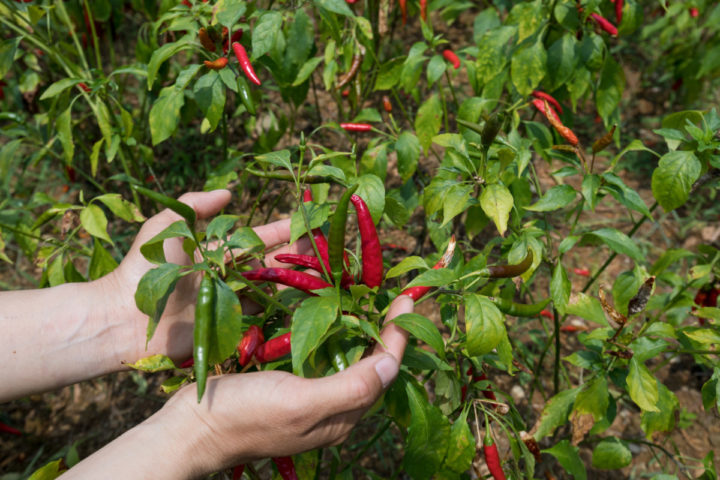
<point x="673" y="178"/>
<point x="593" y="398"/>
<point x="590" y="187"/>
<point x="561" y="60"/>
<point x="408" y="153"/>
<point x="625" y="195"/>
<point x="427" y="438"/>
<point x="617" y="241"/>
<point x="153" y="249"/>
<point x="209" y="93"/>
<point x="306" y="70"/>
<point x="226" y="327"/>
<point x="58" y="87"/>
<point x="311" y="321"/>
<point x="336" y="6"/>
<point x="497" y="203"/>
<point x="220" y="225"/>
<point x="461" y="448"/>
<point x="493" y="52"/>
<point x="265" y="34"/>
<point x="182" y="209"/>
<point x="423" y="329"/>
<point x="484" y="324"/>
<point x="407" y="264"/>
<point x="611" y="454"/>
<point x="435" y="69"/>
<point x="527" y="67"/>
<point x="556" y="412"/>
<point x="64" y="129"/>
<point x="560" y="288"/>
<point x="7" y="54"/>
<point x="642" y="387"/>
<point x="165" y="114"/>
<point x="153" y="292"/>
<point x="567" y="455"/>
<point x="610" y="89"/>
<point x="229" y="12"/>
<point x="49" y="471"/>
<point x="128" y="211"/>
<point x="372" y="190"/>
<point x="153" y="363"/>
<point x="557" y="197"/>
<point x="316" y="215"/>
<point x="587" y="307"/>
<point x="664" y="419"/>
<point x="433" y="278"/>
<point x="159" y="56"/>
<point x="280" y="158"/>
<point x="428" y="121"/>
<point x="94" y="221"/>
<point x="101" y="262"/>
<point x="455" y="202"/>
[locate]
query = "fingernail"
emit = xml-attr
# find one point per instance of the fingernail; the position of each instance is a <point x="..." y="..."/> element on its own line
<point x="387" y="370"/>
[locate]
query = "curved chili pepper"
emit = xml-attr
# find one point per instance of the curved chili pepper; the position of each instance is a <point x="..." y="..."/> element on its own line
<point x="252" y="338"/>
<point x="492" y="458"/>
<point x="403" y="10"/>
<point x="423" y="10"/>
<point x="372" y="261"/>
<point x="300" y="280"/>
<point x="337" y="355"/>
<point x="236" y="36"/>
<point x="188" y="363"/>
<point x="508" y="271"/>
<point x="618" y="11"/>
<point x="238" y="472"/>
<point x="555" y="121"/>
<point x="245" y="64"/>
<point x="544" y="96"/>
<point x="520" y="309"/>
<point x="416" y="293"/>
<point x="356" y="127"/>
<point x="322" y="246"/>
<point x="205" y="40"/>
<point x="84" y="87"/>
<point x="8" y="429"/>
<point x="204" y="314"/>
<point x="336" y="241"/>
<point x="285" y="467"/>
<point x="547" y="314"/>
<point x="308" y="261"/>
<point x="583" y="272"/>
<point x="452" y="58"/>
<point x="602" y="142"/>
<point x="217" y="64"/>
<point x="387" y="105"/>
<point x="350" y="74"/>
<point x="246" y="95"/>
<point x="273" y="349"/>
<point x="491" y="129"/>
<point x="604" y="24"/>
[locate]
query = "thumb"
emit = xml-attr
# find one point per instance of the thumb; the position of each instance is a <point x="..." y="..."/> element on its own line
<point x="358" y="387"/>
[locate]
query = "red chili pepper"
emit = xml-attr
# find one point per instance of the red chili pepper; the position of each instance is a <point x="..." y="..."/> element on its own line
<point x="492" y="458"/>
<point x="694" y="12"/>
<point x="2" y="92"/>
<point x="236" y="36"/>
<point x="555" y="121"/>
<point x="572" y="328"/>
<point x="619" y="11"/>
<point x="252" y="338"/>
<point x="416" y="293"/>
<point x="583" y="272"/>
<point x="72" y="176"/>
<point x="423" y="10"/>
<point x="245" y="64"/>
<point x="238" y="472"/>
<point x="392" y="246"/>
<point x="273" y="349"/>
<point x="372" y="261"/>
<point x="547" y="314"/>
<point x="186" y="3"/>
<point x="346" y="92"/>
<point x="350" y="74"/>
<point x="188" y="363"/>
<point x="549" y="98"/>
<point x="604" y="24"/>
<point x="356" y="127"/>
<point x="403" y="10"/>
<point x="9" y="429"/>
<point x="300" y="280"/>
<point x="205" y="40"/>
<point x="309" y="261"/>
<point x="387" y="105"/>
<point x="217" y="64"/>
<point x="452" y="58"/>
<point x="83" y="87"/>
<point x="285" y="465"/>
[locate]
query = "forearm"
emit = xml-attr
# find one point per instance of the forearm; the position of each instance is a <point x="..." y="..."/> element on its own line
<point x="58" y="336"/>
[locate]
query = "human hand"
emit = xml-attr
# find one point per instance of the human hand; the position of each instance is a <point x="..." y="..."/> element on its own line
<point x="173" y="336"/>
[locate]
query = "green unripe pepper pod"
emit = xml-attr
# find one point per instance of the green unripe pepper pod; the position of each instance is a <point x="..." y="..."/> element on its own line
<point x="520" y="309"/>
<point x="509" y="271"/>
<point x="246" y="95"/>
<point x="204" y="314"/>
<point x="336" y="237"/>
<point x="337" y="356"/>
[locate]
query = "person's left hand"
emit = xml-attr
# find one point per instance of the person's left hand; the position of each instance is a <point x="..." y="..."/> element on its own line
<point x="173" y="336"/>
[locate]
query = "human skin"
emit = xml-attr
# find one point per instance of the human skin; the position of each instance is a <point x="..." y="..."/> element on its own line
<point x="62" y="335"/>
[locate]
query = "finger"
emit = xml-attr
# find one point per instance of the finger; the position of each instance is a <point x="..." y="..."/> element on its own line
<point x="205" y="204"/>
<point x="395" y="338"/>
<point x="358" y="387"/>
<point x="274" y="233"/>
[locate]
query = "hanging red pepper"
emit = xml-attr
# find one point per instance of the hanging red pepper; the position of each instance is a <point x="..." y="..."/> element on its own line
<point x="387" y="105"/>
<point x="549" y="98"/>
<point x="416" y="293"/>
<point x="186" y="3"/>
<point x="8" y="429"/>
<point x="403" y="10"/>
<point x="238" y="472"/>
<point x="217" y="64"/>
<point x="492" y="457"/>
<point x="308" y="261"/>
<point x="452" y="58"/>
<point x="547" y="314"/>
<point x="285" y="465"/>
<point x="583" y="272"/>
<point x="618" y="11"/>
<point x="273" y="349"/>
<point x="205" y="40"/>
<point x="300" y="280"/>
<point x="423" y="10"/>
<point x="604" y="24"/>
<point x="555" y="121"/>
<point x="245" y="64"/>
<point x="356" y="127"/>
<point x="236" y="36"/>
<point x="252" y="338"/>
<point x="372" y="261"/>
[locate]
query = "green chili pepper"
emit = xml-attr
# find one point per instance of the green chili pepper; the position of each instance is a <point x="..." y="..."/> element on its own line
<point x="491" y="129"/>
<point x="246" y="95"/>
<point x="337" y="356"/>
<point x="336" y="238"/>
<point x="180" y="208"/>
<point x="509" y="271"/>
<point x="204" y="314"/>
<point x="520" y="309"/>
